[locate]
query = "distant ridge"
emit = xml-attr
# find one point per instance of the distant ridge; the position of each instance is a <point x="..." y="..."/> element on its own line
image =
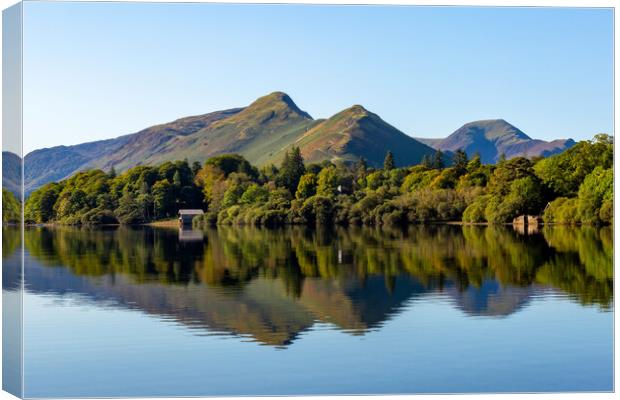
<point x="493" y="137"/>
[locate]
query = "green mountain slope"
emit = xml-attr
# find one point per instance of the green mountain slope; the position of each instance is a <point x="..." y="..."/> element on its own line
<point x="161" y="142"/>
<point x="270" y="122"/>
<point x="357" y="132"/>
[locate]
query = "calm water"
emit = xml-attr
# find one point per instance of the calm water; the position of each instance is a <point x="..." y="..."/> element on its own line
<point x="238" y="311"/>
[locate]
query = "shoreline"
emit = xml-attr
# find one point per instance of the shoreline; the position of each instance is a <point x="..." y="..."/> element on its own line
<point x="174" y="223"/>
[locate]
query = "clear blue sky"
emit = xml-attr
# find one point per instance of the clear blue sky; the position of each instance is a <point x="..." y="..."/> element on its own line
<point x="100" y="70"/>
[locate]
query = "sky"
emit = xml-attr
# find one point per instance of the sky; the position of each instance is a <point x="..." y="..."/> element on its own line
<point x="100" y="70"/>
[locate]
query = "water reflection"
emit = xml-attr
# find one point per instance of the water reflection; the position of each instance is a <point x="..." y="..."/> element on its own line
<point x="271" y="285"/>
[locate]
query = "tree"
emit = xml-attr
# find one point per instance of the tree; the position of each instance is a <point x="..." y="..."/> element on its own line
<point x="318" y="210"/>
<point x="563" y="173"/>
<point x="176" y="179"/>
<point x="229" y="163"/>
<point x="254" y="194"/>
<point x="211" y="179"/>
<point x="328" y="182"/>
<point x="163" y="199"/>
<point x="112" y="173"/>
<point x="508" y="171"/>
<point x="129" y="211"/>
<point x="307" y="186"/>
<point x="474" y="164"/>
<point x="460" y="162"/>
<point x="196" y="166"/>
<point x="44" y="201"/>
<point x="388" y="162"/>
<point x="526" y="196"/>
<point x="232" y="195"/>
<point x="596" y="190"/>
<point x="426" y="162"/>
<point x="438" y="160"/>
<point x="292" y="169"/>
<point x="361" y="168"/>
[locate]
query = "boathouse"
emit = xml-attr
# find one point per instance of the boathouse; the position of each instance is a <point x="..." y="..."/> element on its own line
<point x="186" y="216"/>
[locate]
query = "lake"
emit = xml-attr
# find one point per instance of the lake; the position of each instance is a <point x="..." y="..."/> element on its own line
<point x="248" y="311"/>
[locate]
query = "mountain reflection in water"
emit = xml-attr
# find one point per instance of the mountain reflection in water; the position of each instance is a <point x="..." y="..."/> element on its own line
<point x="270" y="285"/>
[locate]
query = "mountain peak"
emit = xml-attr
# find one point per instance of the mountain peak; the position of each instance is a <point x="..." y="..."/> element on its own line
<point x="357" y="109"/>
<point x="355" y="112"/>
<point x="356" y="133"/>
<point x="277" y="102"/>
<point x="493" y="137"/>
<point x="491" y="129"/>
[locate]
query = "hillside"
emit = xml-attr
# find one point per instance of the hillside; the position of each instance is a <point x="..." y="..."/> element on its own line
<point x="492" y="138"/>
<point x="11" y="173"/>
<point x="357" y="132"/>
<point x="268" y="124"/>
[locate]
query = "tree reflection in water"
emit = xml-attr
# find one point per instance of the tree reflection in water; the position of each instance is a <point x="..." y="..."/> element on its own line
<point x="272" y="284"/>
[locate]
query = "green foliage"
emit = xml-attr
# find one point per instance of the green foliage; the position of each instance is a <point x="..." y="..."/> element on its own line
<point x="328" y="182"/>
<point x="317" y="210"/>
<point x="564" y="173"/>
<point x="99" y="217"/>
<point x="460" y="162"/>
<point x="446" y="179"/>
<point x="506" y="172"/>
<point x="11" y="208"/>
<point x="361" y="169"/>
<point x="596" y="190"/>
<point x="475" y="212"/>
<point x="375" y="180"/>
<point x="232" y="191"/>
<point x="129" y="210"/>
<point x="229" y="163"/>
<point x="307" y="186"/>
<point x="163" y="199"/>
<point x="254" y="194"/>
<point x="525" y="196"/>
<point x="419" y="178"/>
<point x="593" y="204"/>
<point x="139" y="195"/>
<point x="292" y="170"/>
<point x="562" y="211"/>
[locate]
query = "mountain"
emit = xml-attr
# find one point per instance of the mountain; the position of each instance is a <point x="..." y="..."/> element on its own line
<point x="357" y="132"/>
<point x="11" y="173"/>
<point x="261" y="132"/>
<point x="494" y="137"/>
<point x="271" y="122"/>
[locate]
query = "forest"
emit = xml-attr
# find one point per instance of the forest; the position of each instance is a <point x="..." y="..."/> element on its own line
<point x="573" y="187"/>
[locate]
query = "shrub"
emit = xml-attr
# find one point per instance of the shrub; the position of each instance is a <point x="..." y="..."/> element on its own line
<point x="475" y="211"/>
<point x="317" y="209"/>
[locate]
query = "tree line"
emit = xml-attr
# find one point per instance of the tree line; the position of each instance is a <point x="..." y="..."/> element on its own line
<point x="573" y="187"/>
